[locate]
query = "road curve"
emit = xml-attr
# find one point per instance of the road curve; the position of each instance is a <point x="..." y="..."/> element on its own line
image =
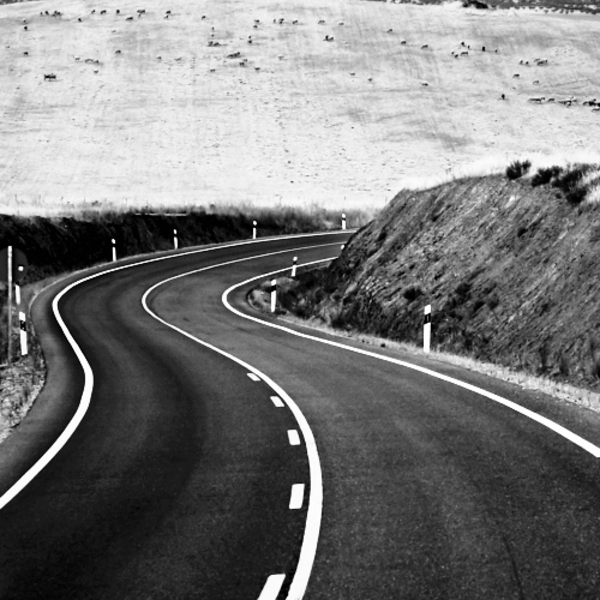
<point x="431" y="490"/>
<point x="180" y="479"/>
<point x="177" y="481"/>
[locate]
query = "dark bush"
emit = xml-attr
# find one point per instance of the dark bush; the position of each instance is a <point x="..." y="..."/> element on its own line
<point x="518" y="168"/>
<point x="576" y="196"/>
<point x="477" y="305"/>
<point x="545" y="175"/>
<point x="412" y="292"/>
<point x="492" y="301"/>
<point x="522" y="230"/>
<point x="462" y="289"/>
<point x="570" y="183"/>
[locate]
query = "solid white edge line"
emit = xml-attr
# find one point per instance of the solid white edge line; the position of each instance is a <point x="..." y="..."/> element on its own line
<point x="88" y="387"/>
<point x="272" y="586"/>
<point x="293" y="437"/>
<point x="297" y="496"/>
<point x="559" y="429"/>
<point x="82" y="408"/>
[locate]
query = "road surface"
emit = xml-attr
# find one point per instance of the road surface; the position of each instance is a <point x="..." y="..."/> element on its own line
<point x="183" y="479"/>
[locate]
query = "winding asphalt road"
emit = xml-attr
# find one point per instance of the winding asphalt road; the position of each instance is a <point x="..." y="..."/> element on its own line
<point x="193" y="475"/>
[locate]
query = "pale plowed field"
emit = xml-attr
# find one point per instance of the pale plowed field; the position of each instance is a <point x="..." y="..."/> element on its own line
<point x="342" y="122"/>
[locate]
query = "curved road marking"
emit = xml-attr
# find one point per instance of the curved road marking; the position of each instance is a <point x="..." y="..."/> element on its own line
<point x="559" y="429"/>
<point x="88" y="387"/>
<point x="314" y="512"/>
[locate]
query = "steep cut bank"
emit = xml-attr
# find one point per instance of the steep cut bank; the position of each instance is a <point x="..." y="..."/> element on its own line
<point x="511" y="272"/>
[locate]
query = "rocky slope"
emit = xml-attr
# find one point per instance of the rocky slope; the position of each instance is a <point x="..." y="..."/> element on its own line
<point x="511" y="272"/>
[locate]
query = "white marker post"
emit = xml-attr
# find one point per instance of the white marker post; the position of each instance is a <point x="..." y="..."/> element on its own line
<point x="254" y="224"/>
<point x="343" y="220"/>
<point x="427" y="330"/>
<point x="273" y="294"/>
<point x="175" y="240"/>
<point x="23" y="333"/>
<point x="114" y="249"/>
<point x="18" y="293"/>
<point x="294" y="266"/>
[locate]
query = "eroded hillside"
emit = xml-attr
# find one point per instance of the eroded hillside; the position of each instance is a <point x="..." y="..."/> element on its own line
<point x="509" y="269"/>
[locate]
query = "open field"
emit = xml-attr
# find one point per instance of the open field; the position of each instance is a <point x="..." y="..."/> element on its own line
<point x="151" y="111"/>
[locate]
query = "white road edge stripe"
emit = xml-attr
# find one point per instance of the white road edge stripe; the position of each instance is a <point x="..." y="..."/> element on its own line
<point x="297" y="496"/>
<point x="272" y="587"/>
<point x="88" y="387"/>
<point x="293" y="437"/>
<point x="559" y="429"/>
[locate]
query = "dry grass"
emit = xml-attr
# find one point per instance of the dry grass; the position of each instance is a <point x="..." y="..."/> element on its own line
<point x="19" y="386"/>
<point x="322" y="215"/>
<point x="149" y="132"/>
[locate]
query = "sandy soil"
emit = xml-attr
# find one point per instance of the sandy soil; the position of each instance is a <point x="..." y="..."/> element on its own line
<point x="344" y="122"/>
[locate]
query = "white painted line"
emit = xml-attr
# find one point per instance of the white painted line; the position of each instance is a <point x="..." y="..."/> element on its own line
<point x="272" y="587"/>
<point x="314" y="512"/>
<point x="253" y="377"/>
<point x="293" y="437"/>
<point x="297" y="496"/>
<point x="82" y="408"/>
<point x="88" y="386"/>
<point x="276" y="400"/>
<point x="559" y="429"/>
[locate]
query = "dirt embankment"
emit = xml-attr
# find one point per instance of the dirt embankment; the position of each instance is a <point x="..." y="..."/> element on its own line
<point x="510" y="270"/>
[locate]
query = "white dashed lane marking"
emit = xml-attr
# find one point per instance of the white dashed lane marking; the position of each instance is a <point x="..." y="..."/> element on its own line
<point x="293" y="437"/>
<point x="277" y="401"/>
<point x="297" y="496"/>
<point x="253" y="377"/>
<point x="272" y="587"/>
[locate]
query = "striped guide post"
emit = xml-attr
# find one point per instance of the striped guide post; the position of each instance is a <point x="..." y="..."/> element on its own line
<point x="254" y="224"/>
<point x="294" y="266"/>
<point x="114" y="249"/>
<point x="23" y="333"/>
<point x="175" y="239"/>
<point x="344" y="221"/>
<point x="427" y="329"/>
<point x="273" y="294"/>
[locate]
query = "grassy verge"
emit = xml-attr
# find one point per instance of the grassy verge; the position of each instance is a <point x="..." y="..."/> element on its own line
<point x="23" y="379"/>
